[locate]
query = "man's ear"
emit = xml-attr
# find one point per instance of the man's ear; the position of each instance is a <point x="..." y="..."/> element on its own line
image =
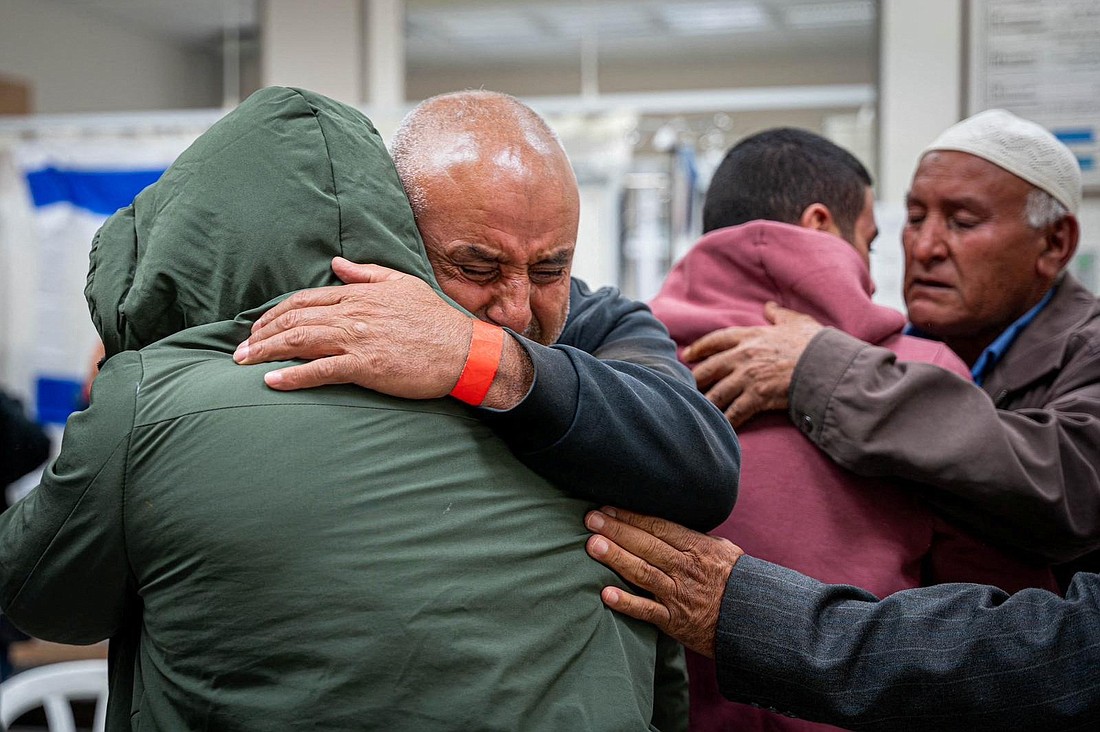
<point x="818" y="217"/>
<point x="1060" y="239"/>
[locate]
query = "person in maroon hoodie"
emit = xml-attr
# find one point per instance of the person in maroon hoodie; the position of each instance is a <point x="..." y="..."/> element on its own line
<point x="789" y="220"/>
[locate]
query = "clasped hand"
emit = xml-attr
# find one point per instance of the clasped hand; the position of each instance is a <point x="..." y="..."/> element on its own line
<point x="748" y="370"/>
<point x="384" y="330"/>
<point x="684" y="570"/>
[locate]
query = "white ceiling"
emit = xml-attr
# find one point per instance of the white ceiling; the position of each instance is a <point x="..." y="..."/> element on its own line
<point x="191" y="22"/>
<point x="439" y="30"/>
<point x="475" y="31"/>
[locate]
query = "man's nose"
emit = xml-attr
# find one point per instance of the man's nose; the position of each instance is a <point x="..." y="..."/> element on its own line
<point x="511" y="305"/>
<point x="926" y="242"/>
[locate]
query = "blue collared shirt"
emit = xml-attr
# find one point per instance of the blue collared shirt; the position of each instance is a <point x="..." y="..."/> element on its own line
<point x="995" y="350"/>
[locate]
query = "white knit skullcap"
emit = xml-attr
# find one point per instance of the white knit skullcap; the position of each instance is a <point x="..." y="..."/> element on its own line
<point x="1021" y="147"/>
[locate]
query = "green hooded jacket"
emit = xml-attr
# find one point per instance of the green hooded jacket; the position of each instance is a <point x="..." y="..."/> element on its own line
<point x="333" y="558"/>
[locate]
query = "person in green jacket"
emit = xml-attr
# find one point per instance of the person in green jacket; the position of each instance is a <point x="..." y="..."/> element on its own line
<point x="335" y="557"/>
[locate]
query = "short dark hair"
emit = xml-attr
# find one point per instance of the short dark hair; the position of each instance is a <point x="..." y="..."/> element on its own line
<point x="777" y="173"/>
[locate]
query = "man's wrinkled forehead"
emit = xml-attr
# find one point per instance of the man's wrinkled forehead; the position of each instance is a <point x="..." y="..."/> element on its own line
<point x="955" y="174"/>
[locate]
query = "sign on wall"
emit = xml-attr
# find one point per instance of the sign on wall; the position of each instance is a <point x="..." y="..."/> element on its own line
<point x="1042" y="62"/>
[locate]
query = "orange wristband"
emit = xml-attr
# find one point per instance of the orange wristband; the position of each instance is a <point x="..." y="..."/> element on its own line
<point x="482" y="362"/>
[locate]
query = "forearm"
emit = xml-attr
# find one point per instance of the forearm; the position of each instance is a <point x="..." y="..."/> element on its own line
<point x="945" y="657"/>
<point x="621" y="433"/>
<point x="1026" y="478"/>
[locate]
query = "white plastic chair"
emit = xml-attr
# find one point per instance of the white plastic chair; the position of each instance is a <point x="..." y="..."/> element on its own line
<point x="51" y="687"/>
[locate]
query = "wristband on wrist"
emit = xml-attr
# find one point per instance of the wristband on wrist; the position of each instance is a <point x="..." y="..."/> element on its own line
<point x="482" y="362"/>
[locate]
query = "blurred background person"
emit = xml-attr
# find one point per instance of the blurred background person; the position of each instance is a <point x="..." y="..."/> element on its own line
<point x="24" y="446"/>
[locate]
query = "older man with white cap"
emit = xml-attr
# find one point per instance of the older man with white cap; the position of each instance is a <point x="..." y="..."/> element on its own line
<point x="991" y="227"/>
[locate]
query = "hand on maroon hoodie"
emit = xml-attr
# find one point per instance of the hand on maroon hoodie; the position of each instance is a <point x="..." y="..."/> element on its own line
<point x="748" y="370"/>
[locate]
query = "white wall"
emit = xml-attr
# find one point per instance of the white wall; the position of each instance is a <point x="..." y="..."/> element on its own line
<point x="919" y="95"/>
<point x="79" y="63"/>
<point x="316" y="45"/>
<point x="920" y="84"/>
<point x="1086" y="265"/>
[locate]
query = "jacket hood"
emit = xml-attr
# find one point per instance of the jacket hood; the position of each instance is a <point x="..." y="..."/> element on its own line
<point x="255" y="208"/>
<point x="730" y="273"/>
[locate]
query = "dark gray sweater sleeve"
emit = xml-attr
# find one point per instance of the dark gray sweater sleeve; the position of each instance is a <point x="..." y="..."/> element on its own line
<point x="947" y="657"/>
<point x="614" y="418"/>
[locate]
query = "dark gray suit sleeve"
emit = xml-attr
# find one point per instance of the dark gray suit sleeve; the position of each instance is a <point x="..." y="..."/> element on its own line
<point x="947" y="657"/>
<point x="614" y="418"/>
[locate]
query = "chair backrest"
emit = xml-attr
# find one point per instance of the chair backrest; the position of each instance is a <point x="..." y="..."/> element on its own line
<point x="51" y="687"/>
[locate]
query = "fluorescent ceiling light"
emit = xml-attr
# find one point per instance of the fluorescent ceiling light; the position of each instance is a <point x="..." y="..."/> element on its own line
<point x="501" y="25"/>
<point x="714" y="17"/>
<point x="612" y="21"/>
<point x="818" y="15"/>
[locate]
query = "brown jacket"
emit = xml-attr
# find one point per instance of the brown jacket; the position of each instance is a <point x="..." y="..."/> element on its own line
<point x="1017" y="461"/>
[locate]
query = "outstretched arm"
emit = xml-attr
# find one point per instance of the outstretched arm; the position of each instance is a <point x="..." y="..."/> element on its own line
<point x="1027" y="477"/>
<point x="956" y="656"/>
<point x="614" y="415"/>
